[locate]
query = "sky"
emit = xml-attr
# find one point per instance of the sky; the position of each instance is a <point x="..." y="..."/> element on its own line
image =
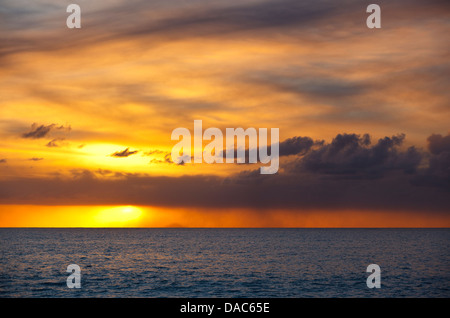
<point x="86" y="115"/>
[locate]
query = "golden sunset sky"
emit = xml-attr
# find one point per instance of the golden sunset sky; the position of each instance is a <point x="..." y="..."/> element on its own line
<point x="363" y="113"/>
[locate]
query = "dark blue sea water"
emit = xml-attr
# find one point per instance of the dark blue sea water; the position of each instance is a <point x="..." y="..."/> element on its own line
<point x="224" y="262"/>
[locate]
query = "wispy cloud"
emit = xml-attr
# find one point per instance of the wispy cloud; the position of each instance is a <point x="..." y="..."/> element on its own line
<point x="55" y="142"/>
<point x="124" y="153"/>
<point x="37" y="132"/>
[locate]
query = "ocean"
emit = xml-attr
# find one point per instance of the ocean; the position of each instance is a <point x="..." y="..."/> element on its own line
<point x="266" y="263"/>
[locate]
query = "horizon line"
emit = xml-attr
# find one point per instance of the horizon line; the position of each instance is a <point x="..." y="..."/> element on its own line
<point x="187" y="227"/>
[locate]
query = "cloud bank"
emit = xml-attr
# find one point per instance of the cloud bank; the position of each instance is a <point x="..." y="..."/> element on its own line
<point x="350" y="172"/>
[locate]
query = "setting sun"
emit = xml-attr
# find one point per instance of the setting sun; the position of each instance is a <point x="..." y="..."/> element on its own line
<point x="225" y="149"/>
<point x="86" y="135"/>
<point x="122" y="216"/>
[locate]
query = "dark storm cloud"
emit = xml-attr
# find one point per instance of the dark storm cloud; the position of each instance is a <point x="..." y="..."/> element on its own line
<point x="438" y="172"/>
<point x="351" y="155"/>
<point x="3" y="160"/>
<point x="297" y="145"/>
<point x="438" y="144"/>
<point x="437" y="175"/>
<point x="394" y="192"/>
<point x="124" y="153"/>
<point x="381" y="175"/>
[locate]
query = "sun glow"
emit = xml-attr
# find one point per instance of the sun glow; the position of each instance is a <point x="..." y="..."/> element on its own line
<point x="119" y="216"/>
<point x="151" y="216"/>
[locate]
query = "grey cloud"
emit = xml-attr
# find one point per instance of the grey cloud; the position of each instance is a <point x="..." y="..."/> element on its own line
<point x="311" y="17"/>
<point x="353" y="156"/>
<point x="41" y="131"/>
<point x="438" y="144"/>
<point x="297" y="145"/>
<point x="377" y="176"/>
<point x="311" y="85"/>
<point x="284" y="191"/>
<point x="38" y="131"/>
<point x="438" y="172"/>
